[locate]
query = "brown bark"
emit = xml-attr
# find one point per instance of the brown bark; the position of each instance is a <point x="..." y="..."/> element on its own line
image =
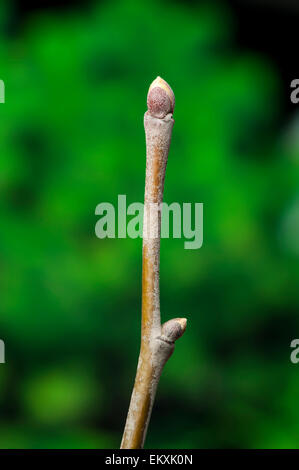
<point x="157" y="342"/>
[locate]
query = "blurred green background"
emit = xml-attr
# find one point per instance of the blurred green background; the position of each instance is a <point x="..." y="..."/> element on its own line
<point x="71" y="137"/>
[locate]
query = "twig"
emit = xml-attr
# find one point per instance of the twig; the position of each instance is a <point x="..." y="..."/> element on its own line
<point x="157" y="341"/>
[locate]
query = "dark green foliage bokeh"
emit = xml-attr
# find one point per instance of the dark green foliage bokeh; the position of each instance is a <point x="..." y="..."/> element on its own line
<point x="71" y="137"/>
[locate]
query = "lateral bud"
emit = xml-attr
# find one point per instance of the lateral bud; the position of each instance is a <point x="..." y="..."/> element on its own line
<point x="173" y="329"/>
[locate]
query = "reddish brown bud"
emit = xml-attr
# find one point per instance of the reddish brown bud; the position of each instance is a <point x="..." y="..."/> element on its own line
<point x="160" y="99"/>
